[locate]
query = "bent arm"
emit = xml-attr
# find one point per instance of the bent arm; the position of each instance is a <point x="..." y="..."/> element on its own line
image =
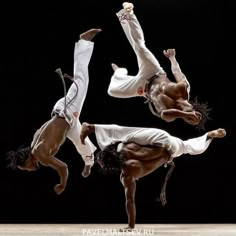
<point x="172" y="114"/>
<point x="175" y="68"/>
<point x="62" y="171"/>
<point x="191" y="117"/>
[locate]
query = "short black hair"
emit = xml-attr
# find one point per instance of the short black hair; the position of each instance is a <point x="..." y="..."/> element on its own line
<point x="18" y="157"/>
<point x="110" y="160"/>
<point x="204" y="110"/>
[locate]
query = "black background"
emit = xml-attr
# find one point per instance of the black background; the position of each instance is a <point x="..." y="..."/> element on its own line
<point x="38" y="38"/>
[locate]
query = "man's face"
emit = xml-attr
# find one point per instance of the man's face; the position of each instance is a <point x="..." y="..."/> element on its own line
<point x="30" y="164"/>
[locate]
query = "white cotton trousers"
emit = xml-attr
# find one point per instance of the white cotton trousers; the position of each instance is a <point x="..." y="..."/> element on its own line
<point x="109" y="134"/>
<point x="123" y="85"/>
<point x="75" y="99"/>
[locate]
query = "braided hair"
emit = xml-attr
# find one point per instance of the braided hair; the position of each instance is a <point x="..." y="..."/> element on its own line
<point x="204" y="110"/>
<point x="18" y="157"/>
<point x="110" y="160"/>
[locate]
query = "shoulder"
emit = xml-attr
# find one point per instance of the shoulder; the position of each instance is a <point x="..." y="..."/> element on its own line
<point x="126" y="177"/>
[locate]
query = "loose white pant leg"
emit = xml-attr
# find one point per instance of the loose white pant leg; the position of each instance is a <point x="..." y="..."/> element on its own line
<point x="82" y="55"/>
<point x="194" y="146"/>
<point x="123" y="85"/>
<point x="148" y="64"/>
<point x="76" y="96"/>
<point x="108" y="134"/>
<point x="77" y="92"/>
<point x="86" y="151"/>
<point x="197" y="145"/>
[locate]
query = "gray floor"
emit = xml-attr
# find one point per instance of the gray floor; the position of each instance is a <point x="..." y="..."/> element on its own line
<point x="113" y="229"/>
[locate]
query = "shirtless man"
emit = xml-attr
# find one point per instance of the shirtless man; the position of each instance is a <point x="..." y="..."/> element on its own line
<point x="168" y="100"/>
<point x="137" y="152"/>
<point x="63" y="124"/>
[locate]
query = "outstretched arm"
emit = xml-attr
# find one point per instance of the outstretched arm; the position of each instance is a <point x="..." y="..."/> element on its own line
<point x="175" y="68"/>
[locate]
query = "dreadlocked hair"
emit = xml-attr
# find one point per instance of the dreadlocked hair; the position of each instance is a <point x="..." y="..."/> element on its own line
<point x="18" y="157"/>
<point x="110" y="160"/>
<point x="204" y="110"/>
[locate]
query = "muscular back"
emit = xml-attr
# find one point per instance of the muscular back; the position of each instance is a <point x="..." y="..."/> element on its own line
<point x="142" y="160"/>
<point x="48" y="139"/>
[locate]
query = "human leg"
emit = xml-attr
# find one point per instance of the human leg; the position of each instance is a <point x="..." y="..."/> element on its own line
<point x="108" y="134"/>
<point x="196" y="146"/>
<point x="76" y="95"/>
<point x="82" y="55"/>
<point x="85" y="149"/>
<point x="70" y="106"/>
<point x="148" y="64"/>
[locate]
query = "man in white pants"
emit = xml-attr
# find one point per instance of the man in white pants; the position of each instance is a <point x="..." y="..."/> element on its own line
<point x="63" y="124"/>
<point x="137" y="152"/>
<point x="168" y="100"/>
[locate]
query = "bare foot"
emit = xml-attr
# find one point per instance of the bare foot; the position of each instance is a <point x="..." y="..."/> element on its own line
<point x="88" y="35"/>
<point x="114" y="66"/>
<point x="218" y="133"/>
<point x="86" y="129"/>
<point x="128" y="6"/>
<point x="86" y="171"/>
